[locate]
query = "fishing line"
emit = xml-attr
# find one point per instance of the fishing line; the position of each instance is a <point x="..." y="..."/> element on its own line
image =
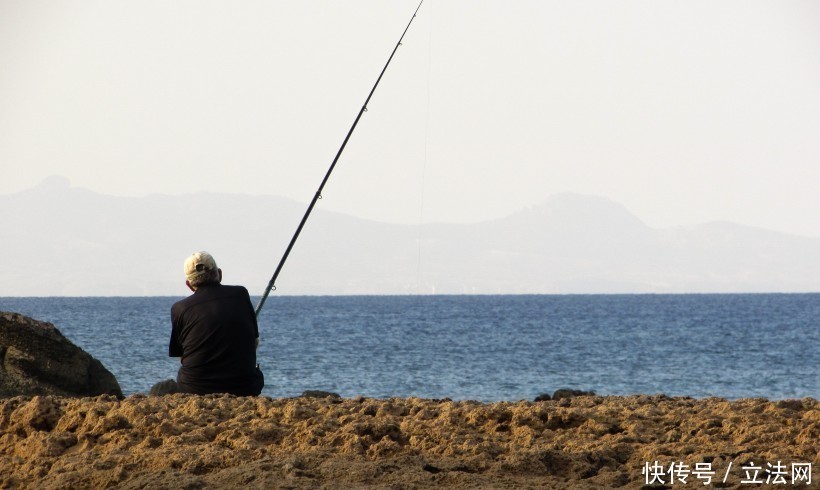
<point x="426" y="150"/>
<point x="272" y="283"/>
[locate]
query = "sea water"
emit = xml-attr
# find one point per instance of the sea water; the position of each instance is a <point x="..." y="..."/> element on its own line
<point x="485" y="348"/>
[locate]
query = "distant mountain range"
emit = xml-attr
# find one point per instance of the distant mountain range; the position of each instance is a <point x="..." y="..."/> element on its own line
<point x="61" y="240"/>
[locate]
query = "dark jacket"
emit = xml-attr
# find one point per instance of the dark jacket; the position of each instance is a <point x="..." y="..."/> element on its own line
<point x="214" y="331"/>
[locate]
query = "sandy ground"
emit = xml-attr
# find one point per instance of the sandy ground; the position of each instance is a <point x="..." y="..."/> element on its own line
<point x="186" y="441"/>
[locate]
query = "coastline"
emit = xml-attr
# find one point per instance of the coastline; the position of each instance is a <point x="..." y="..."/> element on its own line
<point x="435" y="347"/>
<point x="217" y="441"/>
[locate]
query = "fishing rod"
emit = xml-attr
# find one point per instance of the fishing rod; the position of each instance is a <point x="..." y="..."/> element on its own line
<point x="272" y="283"/>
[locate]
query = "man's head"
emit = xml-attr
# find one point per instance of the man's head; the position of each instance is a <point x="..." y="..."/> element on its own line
<point x="201" y="270"/>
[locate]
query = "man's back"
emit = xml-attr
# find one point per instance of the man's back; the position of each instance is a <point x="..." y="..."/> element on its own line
<point x="215" y="332"/>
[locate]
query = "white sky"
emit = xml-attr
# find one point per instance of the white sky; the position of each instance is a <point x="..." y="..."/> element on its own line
<point x="685" y="112"/>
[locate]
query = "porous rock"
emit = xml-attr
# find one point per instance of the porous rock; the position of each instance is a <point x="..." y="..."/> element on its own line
<point x="166" y="387"/>
<point x="36" y="359"/>
<point x="570" y="393"/>
<point x="320" y="394"/>
<point x="217" y="441"/>
<point x="562" y="393"/>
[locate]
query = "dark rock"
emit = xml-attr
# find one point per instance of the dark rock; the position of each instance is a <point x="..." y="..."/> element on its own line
<point x="319" y="394"/>
<point x="36" y="359"/>
<point x="167" y="387"/>
<point x="568" y="393"/>
<point x="543" y="397"/>
<point x="790" y="404"/>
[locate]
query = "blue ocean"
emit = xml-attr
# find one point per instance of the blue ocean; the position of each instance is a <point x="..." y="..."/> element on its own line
<point x="486" y="348"/>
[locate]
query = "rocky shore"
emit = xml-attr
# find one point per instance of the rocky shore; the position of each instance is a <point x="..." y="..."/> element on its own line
<point x="65" y="424"/>
<point x="188" y="441"/>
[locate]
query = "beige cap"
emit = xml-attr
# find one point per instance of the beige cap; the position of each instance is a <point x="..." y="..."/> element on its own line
<point x="199" y="263"/>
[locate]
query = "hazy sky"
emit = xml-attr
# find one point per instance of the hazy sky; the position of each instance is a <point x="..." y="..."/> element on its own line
<point x="685" y="112"/>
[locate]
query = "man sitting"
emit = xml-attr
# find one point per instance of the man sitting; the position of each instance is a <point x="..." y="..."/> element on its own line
<point x="215" y="334"/>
